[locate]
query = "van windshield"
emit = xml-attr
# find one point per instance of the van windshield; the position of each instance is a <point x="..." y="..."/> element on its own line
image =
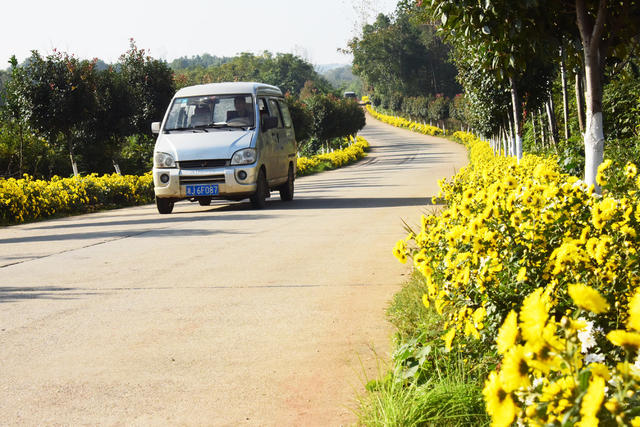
<point x="211" y="111"/>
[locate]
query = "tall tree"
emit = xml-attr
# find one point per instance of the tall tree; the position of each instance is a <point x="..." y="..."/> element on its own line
<point x="606" y="28"/>
<point x="401" y="54"/>
<point x="60" y="92"/>
<point x="501" y="38"/>
<point x="506" y="33"/>
<point x="150" y="85"/>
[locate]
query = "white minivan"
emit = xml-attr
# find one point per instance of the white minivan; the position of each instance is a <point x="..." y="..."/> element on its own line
<point x="224" y="140"/>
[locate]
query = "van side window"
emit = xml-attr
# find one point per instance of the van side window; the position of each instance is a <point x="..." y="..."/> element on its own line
<point x="275" y="111"/>
<point x="262" y="106"/>
<point x="286" y="116"/>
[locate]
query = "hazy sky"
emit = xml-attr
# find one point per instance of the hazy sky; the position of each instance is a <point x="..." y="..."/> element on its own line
<point x="170" y="29"/>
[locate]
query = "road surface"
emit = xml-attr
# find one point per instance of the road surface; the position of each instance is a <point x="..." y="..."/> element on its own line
<point x="218" y="315"/>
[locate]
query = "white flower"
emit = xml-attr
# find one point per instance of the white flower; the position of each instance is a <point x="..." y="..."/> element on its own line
<point x="593" y="358"/>
<point x="636" y="366"/>
<point x="585" y="335"/>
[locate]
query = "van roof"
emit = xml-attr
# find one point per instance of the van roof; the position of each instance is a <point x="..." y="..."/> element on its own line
<point x="229" y="88"/>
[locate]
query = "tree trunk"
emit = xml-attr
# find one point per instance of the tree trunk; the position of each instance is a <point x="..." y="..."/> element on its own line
<point x="533" y="126"/>
<point x="517" y="119"/>
<point x="511" y="137"/>
<point x="504" y="142"/>
<point x="20" y="166"/>
<point x="565" y="99"/>
<point x="543" y="133"/>
<point x="74" y="165"/>
<point x="580" y="100"/>
<point x="591" y="34"/>
<point x="553" y="126"/>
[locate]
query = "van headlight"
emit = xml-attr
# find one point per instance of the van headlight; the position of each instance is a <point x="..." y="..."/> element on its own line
<point x="164" y="160"/>
<point x="245" y="156"/>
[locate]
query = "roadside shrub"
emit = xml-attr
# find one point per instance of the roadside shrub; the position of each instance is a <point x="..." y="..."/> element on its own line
<point x="529" y="263"/>
<point x="405" y="123"/>
<point x="354" y="151"/>
<point x="29" y="199"/>
<point x="555" y="373"/>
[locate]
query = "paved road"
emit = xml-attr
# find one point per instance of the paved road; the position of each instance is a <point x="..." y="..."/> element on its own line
<point x="217" y="315"/>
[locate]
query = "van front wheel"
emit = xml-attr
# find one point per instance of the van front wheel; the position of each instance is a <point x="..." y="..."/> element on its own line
<point x="259" y="199"/>
<point x="165" y="206"/>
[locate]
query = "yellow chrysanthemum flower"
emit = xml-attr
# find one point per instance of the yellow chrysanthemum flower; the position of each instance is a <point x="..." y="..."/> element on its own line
<point x="534" y="315"/>
<point x="522" y="274"/>
<point x="634" y="312"/>
<point x="425" y="300"/>
<point x="588" y="298"/>
<point x="629" y="340"/>
<point x="630" y="171"/>
<point x="500" y="405"/>
<point x="592" y="400"/>
<point x="400" y="251"/>
<point x="448" y="338"/>
<point x="514" y="373"/>
<point x="508" y="333"/>
<point x="600" y="370"/>
<point x="602" y="170"/>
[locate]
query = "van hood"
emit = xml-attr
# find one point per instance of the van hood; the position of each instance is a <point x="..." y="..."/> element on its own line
<point x="214" y="144"/>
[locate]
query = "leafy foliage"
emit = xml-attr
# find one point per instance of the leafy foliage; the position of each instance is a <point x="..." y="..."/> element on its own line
<point x="287" y="71"/>
<point x="59" y="106"/>
<point x="402" y="56"/>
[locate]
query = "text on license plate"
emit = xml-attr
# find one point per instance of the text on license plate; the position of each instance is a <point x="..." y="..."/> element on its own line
<point x="202" y="190"/>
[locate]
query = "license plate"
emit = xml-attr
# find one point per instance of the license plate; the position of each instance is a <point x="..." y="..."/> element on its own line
<point x="202" y="190"/>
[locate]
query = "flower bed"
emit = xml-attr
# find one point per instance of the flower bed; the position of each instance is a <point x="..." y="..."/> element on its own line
<point x="530" y="257"/>
<point x="405" y="123"/>
<point x="336" y="159"/>
<point x="30" y="199"/>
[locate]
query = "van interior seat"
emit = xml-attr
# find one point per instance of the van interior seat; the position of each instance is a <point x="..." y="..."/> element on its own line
<point x="201" y="117"/>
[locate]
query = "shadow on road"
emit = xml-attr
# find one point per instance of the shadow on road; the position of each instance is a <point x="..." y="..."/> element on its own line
<point x="352" y="202"/>
<point x="153" y="218"/>
<point x="106" y="235"/>
<point x="12" y="294"/>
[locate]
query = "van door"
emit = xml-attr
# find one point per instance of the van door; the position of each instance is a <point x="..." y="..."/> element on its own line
<point x="280" y="136"/>
<point x="268" y="141"/>
<point x="290" y="146"/>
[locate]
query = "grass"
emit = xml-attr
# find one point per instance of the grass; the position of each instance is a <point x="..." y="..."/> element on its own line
<point x="426" y="385"/>
<point x="447" y="398"/>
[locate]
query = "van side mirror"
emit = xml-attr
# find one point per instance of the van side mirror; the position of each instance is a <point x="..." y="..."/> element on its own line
<point x="268" y="122"/>
<point x="155" y="127"/>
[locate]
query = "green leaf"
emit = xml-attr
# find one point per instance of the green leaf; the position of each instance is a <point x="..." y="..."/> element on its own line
<point x="583" y="377"/>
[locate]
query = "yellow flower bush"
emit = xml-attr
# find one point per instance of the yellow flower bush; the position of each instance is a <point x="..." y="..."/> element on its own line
<point x="511" y="228"/>
<point x="29" y="199"/>
<point x="404" y="123"/>
<point x="555" y="374"/>
<point x="532" y="264"/>
<point x="355" y="150"/>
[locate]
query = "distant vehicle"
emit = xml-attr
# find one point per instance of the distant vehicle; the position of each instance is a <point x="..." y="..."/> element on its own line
<point x="224" y="140"/>
<point x="351" y="95"/>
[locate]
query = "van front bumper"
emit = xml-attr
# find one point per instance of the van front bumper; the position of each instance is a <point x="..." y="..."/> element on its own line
<point x="228" y="179"/>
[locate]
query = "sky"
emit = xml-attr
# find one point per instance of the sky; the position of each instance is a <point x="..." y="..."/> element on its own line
<point x="167" y="29"/>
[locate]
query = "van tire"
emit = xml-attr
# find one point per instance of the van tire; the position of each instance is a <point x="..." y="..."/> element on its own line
<point x="165" y="206"/>
<point x="259" y="198"/>
<point x="286" y="189"/>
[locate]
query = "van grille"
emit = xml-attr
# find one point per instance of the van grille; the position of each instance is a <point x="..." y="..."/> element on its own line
<point x="217" y="178"/>
<point x="197" y="164"/>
